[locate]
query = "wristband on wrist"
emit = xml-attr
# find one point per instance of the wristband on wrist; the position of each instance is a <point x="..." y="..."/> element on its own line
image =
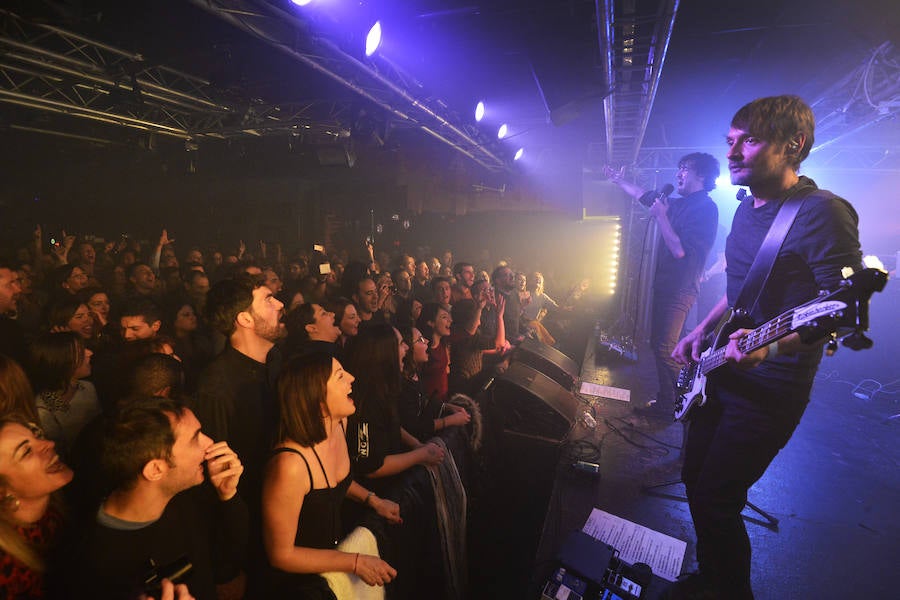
<point x="369" y="496"/>
<point x="773" y="350"/>
<point x="355" y="563"/>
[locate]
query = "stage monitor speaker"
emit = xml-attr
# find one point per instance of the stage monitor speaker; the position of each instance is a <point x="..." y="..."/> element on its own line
<point x="549" y="361"/>
<point x="528" y="402"/>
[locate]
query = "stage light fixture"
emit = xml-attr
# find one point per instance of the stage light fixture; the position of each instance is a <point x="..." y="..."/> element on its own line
<point x="373" y="39"/>
<point x="301" y="2"/>
<point x="501" y="133"/>
<point x="479" y="112"/>
<point x="519" y="153"/>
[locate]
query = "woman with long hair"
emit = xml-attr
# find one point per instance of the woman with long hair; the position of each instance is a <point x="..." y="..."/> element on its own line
<point x="58" y="364"/>
<point x="189" y="343"/>
<point x="98" y="302"/>
<point x="30" y="518"/>
<point x="420" y="416"/>
<point x="308" y="478"/>
<point x="71" y="314"/>
<point x="380" y="446"/>
<point x="16" y="394"/>
<point x="434" y="323"/>
<point x="346" y="317"/>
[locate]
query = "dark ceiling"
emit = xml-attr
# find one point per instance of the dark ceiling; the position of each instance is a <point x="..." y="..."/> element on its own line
<point x="529" y="59"/>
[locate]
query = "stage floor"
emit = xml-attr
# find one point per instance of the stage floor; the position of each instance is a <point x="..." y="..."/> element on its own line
<point x="834" y="488"/>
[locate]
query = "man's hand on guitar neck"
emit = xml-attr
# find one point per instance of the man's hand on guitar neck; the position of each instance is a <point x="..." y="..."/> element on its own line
<point x="786" y="345"/>
<point x="734" y="355"/>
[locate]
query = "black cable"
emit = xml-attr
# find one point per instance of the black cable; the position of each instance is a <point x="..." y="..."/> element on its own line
<point x="581" y="450"/>
<point x="658" y="450"/>
<point x="641" y="433"/>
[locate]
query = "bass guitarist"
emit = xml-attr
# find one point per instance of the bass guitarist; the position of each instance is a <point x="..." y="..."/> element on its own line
<point x="757" y="399"/>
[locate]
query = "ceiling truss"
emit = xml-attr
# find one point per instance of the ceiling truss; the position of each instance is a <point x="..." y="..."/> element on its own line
<point x="378" y="81"/>
<point x="52" y="70"/>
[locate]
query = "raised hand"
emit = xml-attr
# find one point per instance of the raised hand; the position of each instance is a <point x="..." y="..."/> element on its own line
<point x="500" y="303"/>
<point x="164" y="239"/>
<point x="224" y="468"/>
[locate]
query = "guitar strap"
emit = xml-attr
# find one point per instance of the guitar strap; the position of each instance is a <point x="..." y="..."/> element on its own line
<point x="762" y="265"/>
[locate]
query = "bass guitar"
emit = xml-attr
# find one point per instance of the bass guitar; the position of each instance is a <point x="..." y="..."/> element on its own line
<point x="842" y="314"/>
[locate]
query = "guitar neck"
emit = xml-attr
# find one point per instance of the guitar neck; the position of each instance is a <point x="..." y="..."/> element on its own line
<point x="763" y="335"/>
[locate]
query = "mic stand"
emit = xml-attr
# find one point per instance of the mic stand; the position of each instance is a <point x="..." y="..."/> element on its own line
<point x="767" y="521"/>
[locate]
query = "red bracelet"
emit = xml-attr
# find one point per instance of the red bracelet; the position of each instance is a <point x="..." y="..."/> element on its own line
<point x="355" y="562"/>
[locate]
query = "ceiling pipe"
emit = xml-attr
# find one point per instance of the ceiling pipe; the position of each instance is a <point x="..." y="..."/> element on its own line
<point x="89" y="113"/>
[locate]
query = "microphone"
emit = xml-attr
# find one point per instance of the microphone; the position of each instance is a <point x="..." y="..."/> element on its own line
<point x="648" y="199"/>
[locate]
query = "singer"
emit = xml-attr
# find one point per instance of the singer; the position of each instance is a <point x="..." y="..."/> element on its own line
<point x="687" y="227"/>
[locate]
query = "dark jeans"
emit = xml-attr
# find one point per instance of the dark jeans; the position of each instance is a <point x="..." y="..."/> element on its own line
<point x="670" y="309"/>
<point x="730" y="443"/>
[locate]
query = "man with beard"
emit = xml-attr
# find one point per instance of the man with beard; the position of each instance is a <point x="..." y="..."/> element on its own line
<point x="235" y="400"/>
<point x="464" y="273"/>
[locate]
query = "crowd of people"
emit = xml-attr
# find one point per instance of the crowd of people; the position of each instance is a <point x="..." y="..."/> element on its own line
<point x="166" y="411"/>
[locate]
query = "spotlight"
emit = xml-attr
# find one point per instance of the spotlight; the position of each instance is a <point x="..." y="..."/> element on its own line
<point x="373" y="39"/>
<point x="301" y="2"/>
<point x="479" y="112"/>
<point x="519" y="153"/>
<point x="501" y="133"/>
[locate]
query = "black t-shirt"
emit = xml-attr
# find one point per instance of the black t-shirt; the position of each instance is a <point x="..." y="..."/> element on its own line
<point x="823" y="239"/>
<point x="694" y="219"/>
<point x="236" y="403"/>
<point x="12" y="340"/>
<point x="110" y="560"/>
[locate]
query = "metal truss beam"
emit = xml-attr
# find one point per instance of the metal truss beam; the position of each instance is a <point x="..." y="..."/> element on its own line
<point x="378" y="81"/>
<point x="868" y="95"/>
<point x="53" y="70"/>
<point x="634" y="38"/>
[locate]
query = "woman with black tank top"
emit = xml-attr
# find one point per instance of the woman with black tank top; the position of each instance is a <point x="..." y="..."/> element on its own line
<point x="308" y="478"/>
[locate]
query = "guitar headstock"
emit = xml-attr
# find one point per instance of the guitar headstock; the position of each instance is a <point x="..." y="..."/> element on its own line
<point x="843" y="312"/>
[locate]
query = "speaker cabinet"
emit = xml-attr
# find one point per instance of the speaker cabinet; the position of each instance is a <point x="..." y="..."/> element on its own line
<point x="528" y="402"/>
<point x="549" y="361"/>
